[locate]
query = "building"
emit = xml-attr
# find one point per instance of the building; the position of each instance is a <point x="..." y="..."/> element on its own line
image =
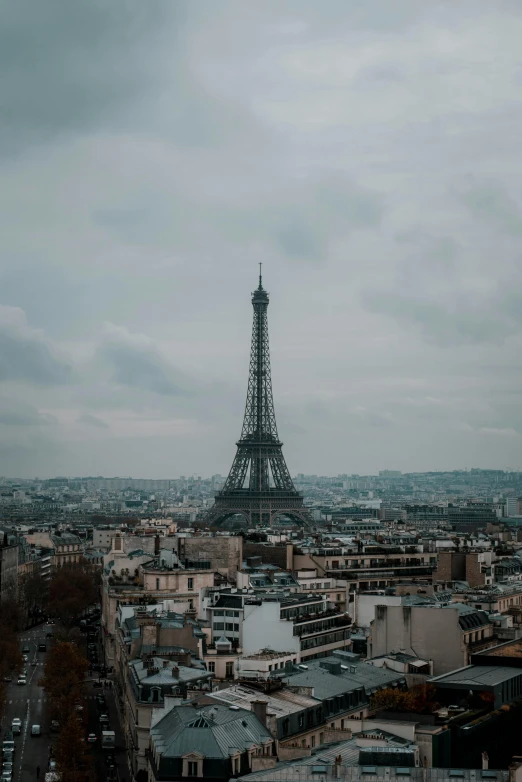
<point x="307" y="626"/>
<point x="447" y="635"/>
<point x="475" y="567"/>
<point x="212" y="742"/>
<point x="68" y="549"/>
<point x="8" y="572"/>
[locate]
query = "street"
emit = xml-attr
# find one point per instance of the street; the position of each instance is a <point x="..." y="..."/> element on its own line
<point x="28" y="703"/>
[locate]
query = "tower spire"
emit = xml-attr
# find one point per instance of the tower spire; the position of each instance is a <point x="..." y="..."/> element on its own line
<point x="259" y="486"/>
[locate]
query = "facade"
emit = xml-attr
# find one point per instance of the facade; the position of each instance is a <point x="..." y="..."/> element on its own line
<point x="68" y="549"/>
<point x="305" y="626"/>
<point x="474" y="567"/>
<point x="446" y="635"/>
<point x="8" y="572"/>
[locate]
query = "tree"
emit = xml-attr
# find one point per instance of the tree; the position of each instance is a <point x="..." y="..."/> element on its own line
<point x="71" y="752"/>
<point x="72" y="590"/>
<point x="63" y="679"/>
<point x="33" y="593"/>
<point x="419" y="699"/>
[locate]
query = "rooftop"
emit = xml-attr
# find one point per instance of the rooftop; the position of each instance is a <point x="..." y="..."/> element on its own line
<point x="215" y="731"/>
<point x="478" y="675"/>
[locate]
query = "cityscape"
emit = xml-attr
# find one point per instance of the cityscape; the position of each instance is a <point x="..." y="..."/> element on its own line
<point x="259" y="392"/>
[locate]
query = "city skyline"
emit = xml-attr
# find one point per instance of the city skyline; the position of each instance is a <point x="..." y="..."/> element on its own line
<point x="351" y="149"/>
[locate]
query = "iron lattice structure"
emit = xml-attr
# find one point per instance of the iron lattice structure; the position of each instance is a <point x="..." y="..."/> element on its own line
<point x="259" y="486"/>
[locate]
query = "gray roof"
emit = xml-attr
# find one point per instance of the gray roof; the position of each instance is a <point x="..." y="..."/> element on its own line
<point x="303" y="767"/>
<point x="349" y="773"/>
<point x="478" y="675"/>
<point x="328" y="685"/>
<point x="164" y="673"/>
<point x="214" y="731"/>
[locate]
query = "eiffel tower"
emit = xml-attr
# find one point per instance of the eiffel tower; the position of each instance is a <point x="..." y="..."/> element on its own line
<point x="259" y="486"/>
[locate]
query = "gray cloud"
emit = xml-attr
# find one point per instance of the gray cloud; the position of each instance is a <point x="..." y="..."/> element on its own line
<point x="25" y="354"/>
<point x="134" y="361"/>
<point x="15" y="412"/>
<point x="169" y="147"/>
<point x="92" y="420"/>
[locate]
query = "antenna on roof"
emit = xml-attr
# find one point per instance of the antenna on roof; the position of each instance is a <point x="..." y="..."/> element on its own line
<point x="260" y="276"/>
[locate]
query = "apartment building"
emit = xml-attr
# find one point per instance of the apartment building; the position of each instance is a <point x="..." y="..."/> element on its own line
<point x="306" y="626"/>
<point x="447" y="635"/>
<point x="365" y="567"/>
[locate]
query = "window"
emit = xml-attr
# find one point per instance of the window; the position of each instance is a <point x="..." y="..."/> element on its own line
<point x="321" y="738"/>
<point x="301" y="721"/>
<point x="338" y="598"/>
<point x="157" y="583"/>
<point x="219" y="626"/>
<point x="212" y="667"/>
<point x="229" y="670"/>
<point x="190" y="584"/>
<point x="312" y="741"/>
<point x="192" y="768"/>
<point x="229" y="627"/>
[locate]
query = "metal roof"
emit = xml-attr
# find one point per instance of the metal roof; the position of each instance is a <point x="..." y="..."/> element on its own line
<point x="351" y="677"/>
<point x="479" y="675"/>
<point x="214" y="731"/>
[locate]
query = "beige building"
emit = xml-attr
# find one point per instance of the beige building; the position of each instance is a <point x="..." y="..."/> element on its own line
<point x="137" y="578"/>
<point x="447" y="635"/>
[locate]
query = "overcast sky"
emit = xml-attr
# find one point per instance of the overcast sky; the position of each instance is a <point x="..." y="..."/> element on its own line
<point x="152" y="153"/>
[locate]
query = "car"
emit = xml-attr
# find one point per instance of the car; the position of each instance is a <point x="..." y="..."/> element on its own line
<point x="92" y="738"/>
<point x="36" y="730"/>
<point x="52" y="765"/>
<point x="55" y="726"/>
<point x="7" y="766"/>
<point x="97" y="685"/>
<point x="8" y="678"/>
<point x="34" y="663"/>
<point x="110" y="760"/>
<point x="48" y="635"/>
<point x="16" y="721"/>
<point x="26" y="650"/>
<point x="8" y="755"/>
<point x="22" y="680"/>
<point x="6" y="776"/>
<point x="104" y="717"/>
<point x="25" y="658"/>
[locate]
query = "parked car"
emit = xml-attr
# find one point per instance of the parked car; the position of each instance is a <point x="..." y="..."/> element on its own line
<point x="8" y="755"/>
<point x="110" y="760"/>
<point x="26" y="650"/>
<point x="52" y="765"/>
<point x="36" y="730"/>
<point x="7" y="766"/>
<point x="55" y="726"/>
<point x="104" y="719"/>
<point x="91" y="738"/>
<point x="8" y="678"/>
<point x="97" y="685"/>
<point x="25" y="658"/>
<point x="22" y="680"/>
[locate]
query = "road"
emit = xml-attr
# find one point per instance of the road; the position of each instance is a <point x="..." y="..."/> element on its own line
<point x="28" y="703"/>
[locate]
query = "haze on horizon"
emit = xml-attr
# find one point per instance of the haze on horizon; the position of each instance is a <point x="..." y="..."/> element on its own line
<point x="152" y="154"/>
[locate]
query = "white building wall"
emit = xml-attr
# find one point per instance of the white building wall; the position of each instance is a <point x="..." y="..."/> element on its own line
<point x="364" y="608"/>
<point x="262" y="629"/>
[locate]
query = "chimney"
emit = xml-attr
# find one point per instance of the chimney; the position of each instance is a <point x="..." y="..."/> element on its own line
<point x="156" y="546"/>
<point x="175" y="672"/>
<point x="485" y="761"/>
<point x="260" y="709"/>
<point x="165" y="663"/>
